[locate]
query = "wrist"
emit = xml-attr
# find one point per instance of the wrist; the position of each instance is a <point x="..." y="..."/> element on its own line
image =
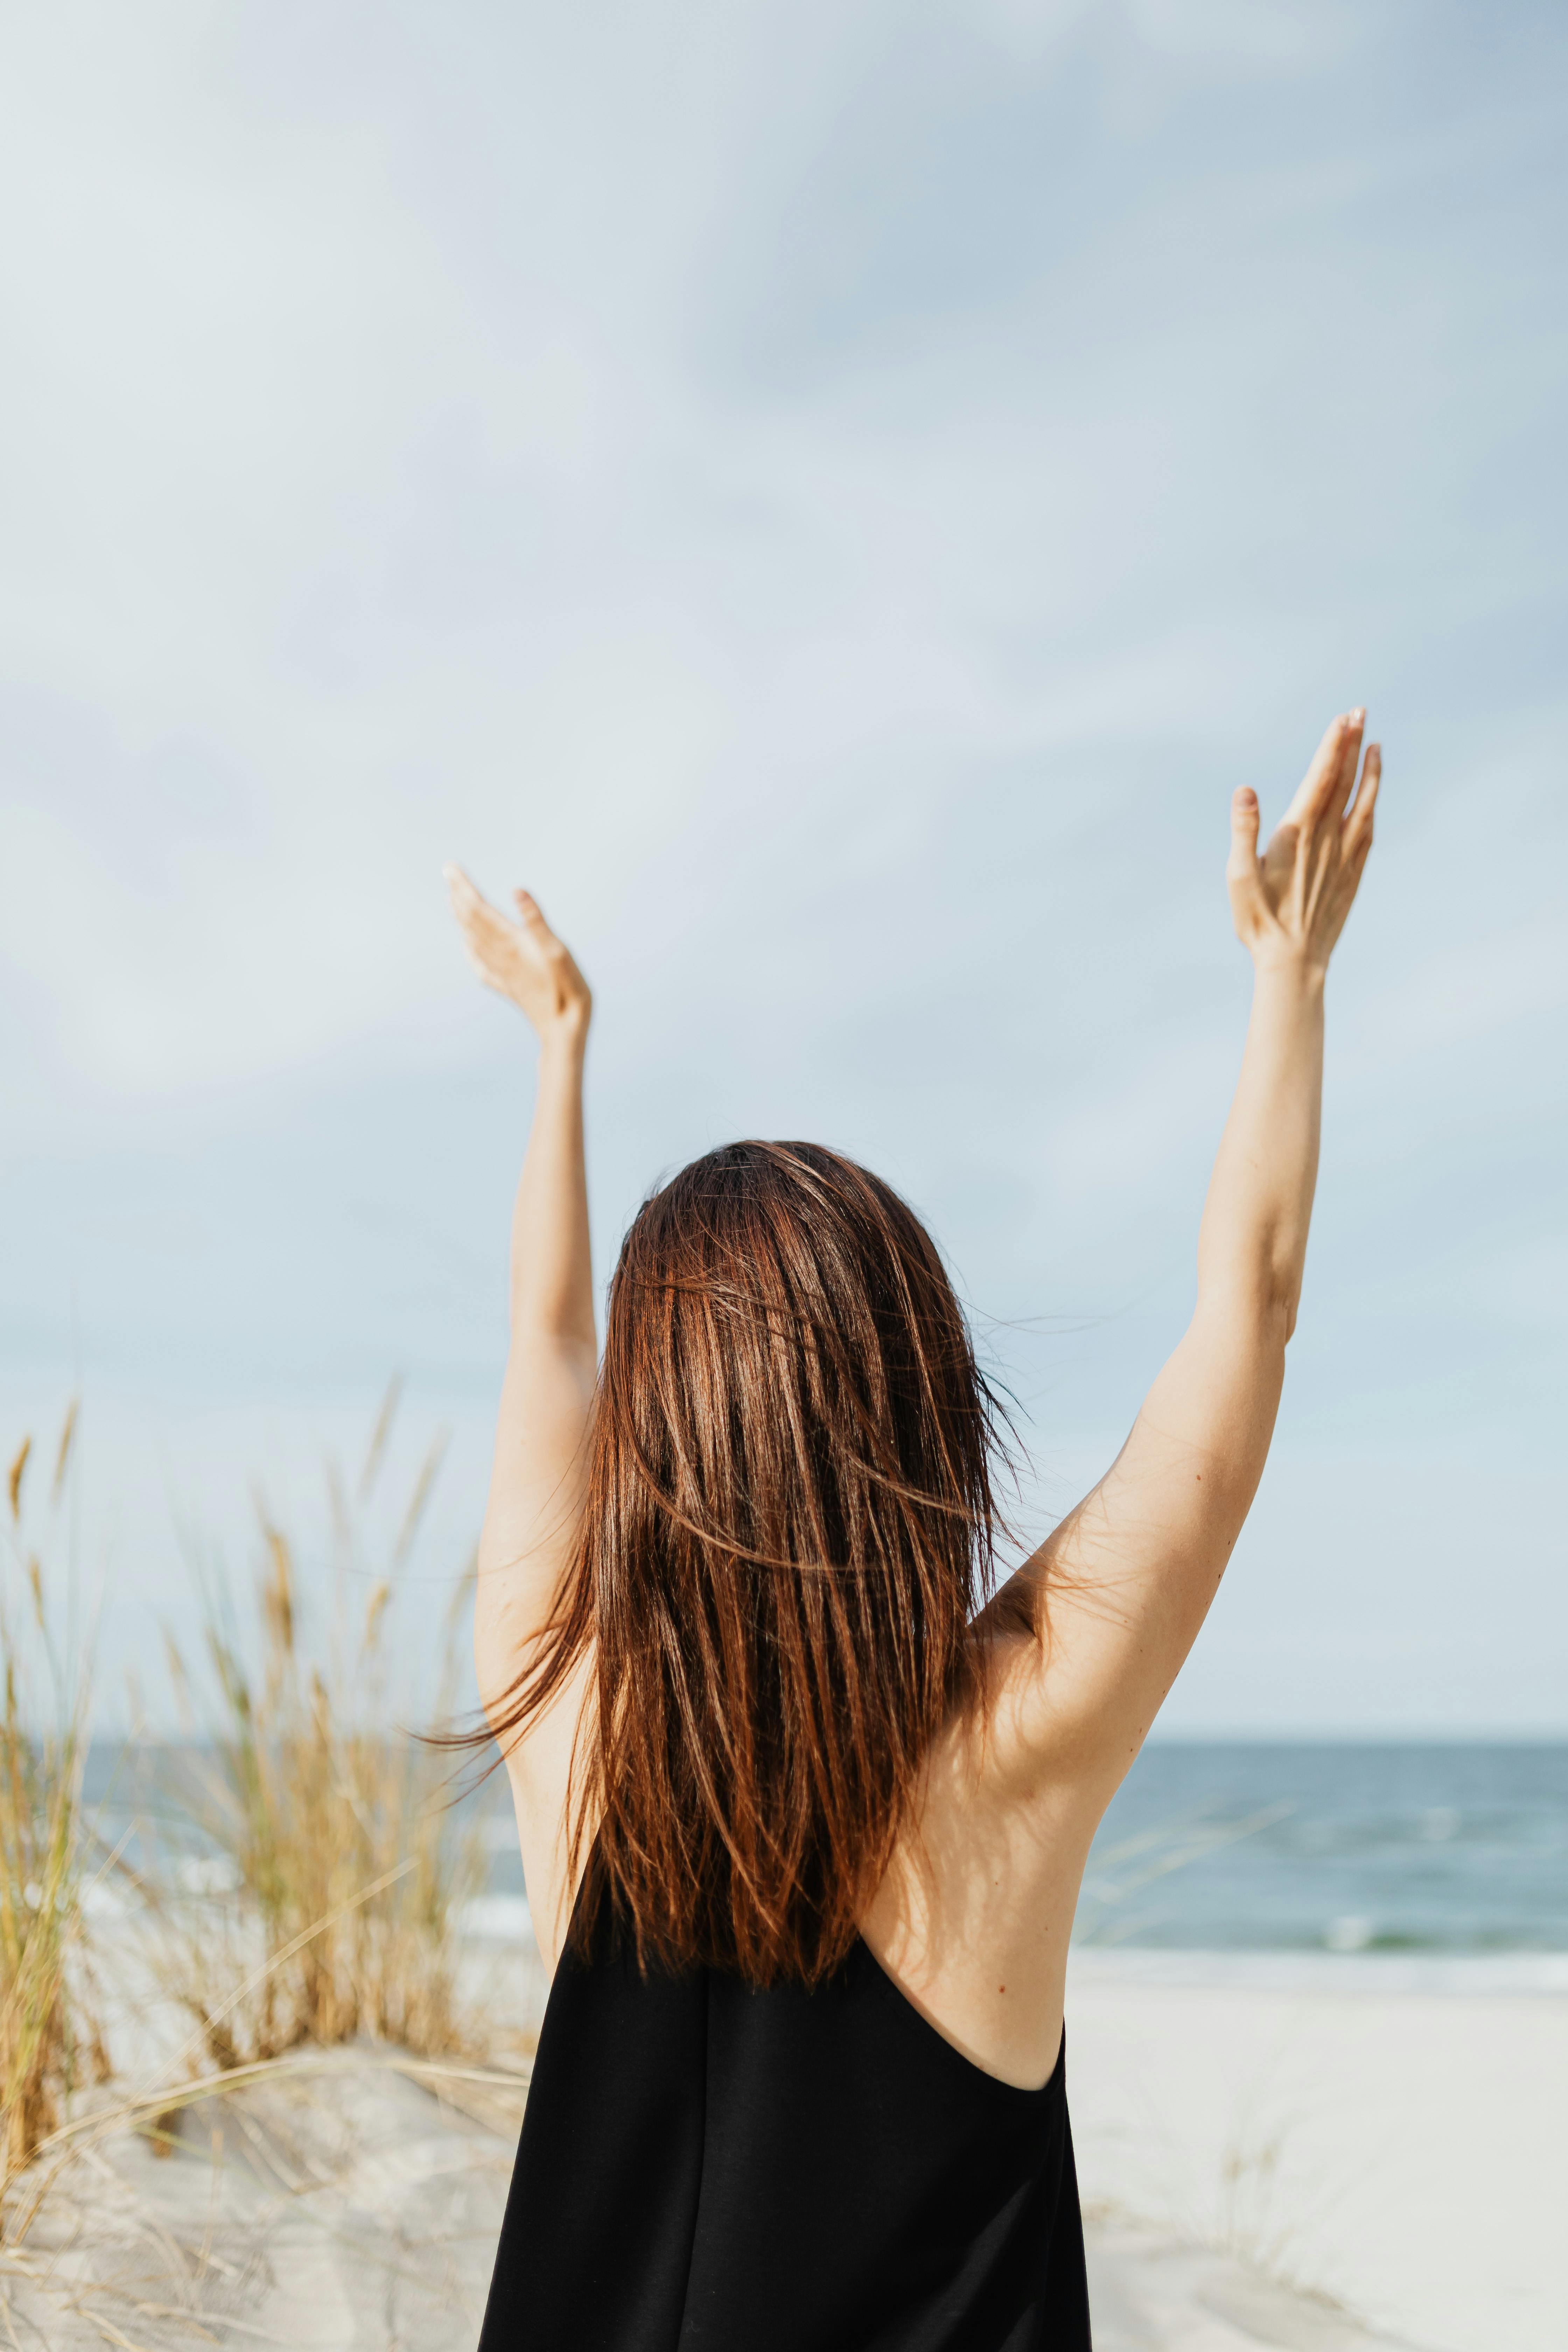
<point x="1289" y="972"/>
<point x="563" y="1042"/>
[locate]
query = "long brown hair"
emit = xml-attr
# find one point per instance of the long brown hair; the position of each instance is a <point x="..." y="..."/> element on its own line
<point x="788" y="1525"/>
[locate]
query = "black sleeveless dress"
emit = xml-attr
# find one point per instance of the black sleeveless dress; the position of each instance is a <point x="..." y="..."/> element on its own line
<point x="704" y="2167"/>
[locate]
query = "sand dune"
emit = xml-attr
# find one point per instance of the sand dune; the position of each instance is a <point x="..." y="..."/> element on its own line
<point x="348" y="2207"/>
<point x="343" y="2205"/>
<point x="1240" y="2146"/>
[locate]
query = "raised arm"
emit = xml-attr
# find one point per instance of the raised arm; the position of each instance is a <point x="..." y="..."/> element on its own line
<point x="1119" y="1592"/>
<point x="547" y="1392"/>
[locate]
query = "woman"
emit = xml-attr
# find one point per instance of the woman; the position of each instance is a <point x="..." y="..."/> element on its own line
<point x="804" y="1800"/>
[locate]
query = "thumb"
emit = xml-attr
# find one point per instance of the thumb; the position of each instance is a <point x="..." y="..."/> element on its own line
<point x="1243" y="871"/>
<point x="1242" y="863"/>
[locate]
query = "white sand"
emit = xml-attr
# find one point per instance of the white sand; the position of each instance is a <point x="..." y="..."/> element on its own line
<point x="338" y="2208"/>
<point x="1399" y="2151"/>
<point x="1400" y="2148"/>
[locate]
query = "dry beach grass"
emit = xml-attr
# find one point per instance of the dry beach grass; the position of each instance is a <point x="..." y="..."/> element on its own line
<point x="50" y="2040"/>
<point x="335" y="1867"/>
<point x="310" y="1922"/>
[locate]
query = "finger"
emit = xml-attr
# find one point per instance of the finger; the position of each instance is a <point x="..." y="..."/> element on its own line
<point x="1324" y="759"/>
<point x="465" y="898"/>
<point x="1243" y="872"/>
<point x="1332" y="770"/>
<point x="532" y="914"/>
<point x="482" y="927"/>
<point x="477" y="922"/>
<point x="1244" y="820"/>
<point x="1337" y="798"/>
<point x="1358" y="822"/>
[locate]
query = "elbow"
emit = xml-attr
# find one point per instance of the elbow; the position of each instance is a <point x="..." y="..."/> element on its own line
<point x="1263" y="1303"/>
<point x="1279" y="1287"/>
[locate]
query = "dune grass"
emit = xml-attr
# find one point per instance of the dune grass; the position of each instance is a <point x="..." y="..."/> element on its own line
<point x="326" y="1905"/>
<point x="302" y="1890"/>
<point x="50" y="2038"/>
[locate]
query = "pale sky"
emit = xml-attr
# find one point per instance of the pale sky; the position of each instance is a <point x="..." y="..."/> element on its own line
<point x="834" y="497"/>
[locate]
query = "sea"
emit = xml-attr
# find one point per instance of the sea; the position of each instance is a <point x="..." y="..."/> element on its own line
<point x="1454" y="1852"/>
<point x="1440" y="1863"/>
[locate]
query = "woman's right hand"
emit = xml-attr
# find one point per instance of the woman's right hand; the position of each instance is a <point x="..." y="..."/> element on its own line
<point x="523" y="961"/>
<point x="1289" y="905"/>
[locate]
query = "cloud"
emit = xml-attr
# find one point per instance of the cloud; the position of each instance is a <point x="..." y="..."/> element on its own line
<point x="833" y="498"/>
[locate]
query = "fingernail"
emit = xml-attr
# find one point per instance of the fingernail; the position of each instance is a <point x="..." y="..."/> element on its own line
<point x="1357" y="716"/>
<point x="1247" y="797"/>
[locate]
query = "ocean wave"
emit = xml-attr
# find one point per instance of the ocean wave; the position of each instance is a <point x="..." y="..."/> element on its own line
<point x="1323" y="1971"/>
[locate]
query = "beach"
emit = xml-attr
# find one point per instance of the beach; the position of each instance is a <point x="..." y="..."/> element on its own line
<point x="1329" y="2156"/>
<point x="1317" y="2054"/>
<point x="1386" y="2135"/>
